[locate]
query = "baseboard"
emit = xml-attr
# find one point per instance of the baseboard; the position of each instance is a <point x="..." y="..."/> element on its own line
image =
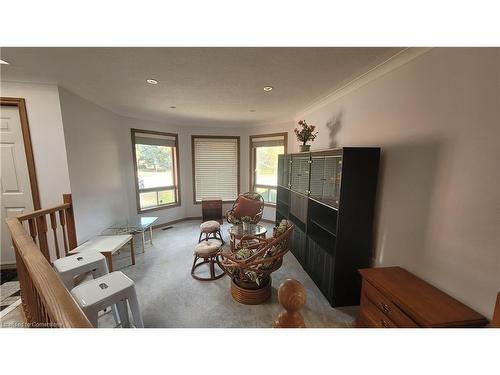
<point x="176" y="221"/>
<point x="194" y="218"/>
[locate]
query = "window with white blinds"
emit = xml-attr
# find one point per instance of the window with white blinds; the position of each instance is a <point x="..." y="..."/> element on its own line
<point x="215" y="167"/>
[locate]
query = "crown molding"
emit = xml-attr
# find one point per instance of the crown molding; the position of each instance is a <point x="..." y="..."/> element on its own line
<point x="394" y="62"/>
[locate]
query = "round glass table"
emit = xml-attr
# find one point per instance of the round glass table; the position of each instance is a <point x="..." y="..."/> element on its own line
<point x="237" y="231"/>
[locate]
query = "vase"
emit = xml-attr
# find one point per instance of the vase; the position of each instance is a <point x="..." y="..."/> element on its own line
<point x="304" y="148"/>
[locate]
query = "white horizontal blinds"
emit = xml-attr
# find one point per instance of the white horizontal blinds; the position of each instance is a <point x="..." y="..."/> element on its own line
<point x="216" y="168"/>
<point x="155" y="139"/>
<point x="270" y="141"/>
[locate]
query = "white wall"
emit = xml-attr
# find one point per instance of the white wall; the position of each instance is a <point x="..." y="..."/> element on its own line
<point x="94" y="159"/>
<point x="187" y="208"/>
<point x="436" y="119"/>
<point x="47" y="137"/>
<point x="102" y="171"/>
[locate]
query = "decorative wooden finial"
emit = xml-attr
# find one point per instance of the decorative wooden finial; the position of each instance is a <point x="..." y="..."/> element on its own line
<point x="292" y="296"/>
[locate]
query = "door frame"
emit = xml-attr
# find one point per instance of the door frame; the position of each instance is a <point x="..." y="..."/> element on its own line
<point x="20" y="103"/>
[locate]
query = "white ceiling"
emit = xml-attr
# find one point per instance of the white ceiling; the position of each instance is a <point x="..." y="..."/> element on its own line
<point x="209" y="86"/>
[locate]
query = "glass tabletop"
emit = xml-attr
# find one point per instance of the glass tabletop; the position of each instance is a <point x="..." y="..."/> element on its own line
<point x="250" y="229"/>
<point x="137" y="223"/>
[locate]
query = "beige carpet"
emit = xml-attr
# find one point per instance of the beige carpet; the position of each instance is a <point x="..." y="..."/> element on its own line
<point x="170" y="297"/>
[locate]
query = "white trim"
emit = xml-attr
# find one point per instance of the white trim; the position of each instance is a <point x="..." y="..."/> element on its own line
<point x="394" y="62"/>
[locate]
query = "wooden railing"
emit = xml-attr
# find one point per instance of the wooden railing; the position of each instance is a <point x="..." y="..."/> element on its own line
<point x="45" y="300"/>
<point x="37" y="225"/>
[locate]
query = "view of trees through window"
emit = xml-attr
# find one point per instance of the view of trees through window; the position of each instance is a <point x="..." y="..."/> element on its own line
<point x="266" y="171"/>
<point x="155" y="174"/>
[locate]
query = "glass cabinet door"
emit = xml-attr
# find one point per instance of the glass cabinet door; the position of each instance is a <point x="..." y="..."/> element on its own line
<point x="287" y="160"/>
<point x="332" y="176"/>
<point x="325" y="178"/>
<point x="300" y="173"/>
<point x="317" y="177"/>
<point x="284" y="170"/>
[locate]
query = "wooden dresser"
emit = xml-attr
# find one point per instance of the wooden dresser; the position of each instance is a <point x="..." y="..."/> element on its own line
<point x="393" y="297"/>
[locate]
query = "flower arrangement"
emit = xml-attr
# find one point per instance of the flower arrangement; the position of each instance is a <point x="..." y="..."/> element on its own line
<point x="246" y="220"/>
<point x="305" y="133"/>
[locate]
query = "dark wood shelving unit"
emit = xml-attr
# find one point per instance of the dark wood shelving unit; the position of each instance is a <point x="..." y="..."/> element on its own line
<point x="330" y="196"/>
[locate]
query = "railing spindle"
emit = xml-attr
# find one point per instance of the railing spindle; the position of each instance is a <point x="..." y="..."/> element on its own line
<point x="53" y="224"/>
<point x="41" y="223"/>
<point x="70" y="219"/>
<point x="62" y="220"/>
<point x="32" y="226"/>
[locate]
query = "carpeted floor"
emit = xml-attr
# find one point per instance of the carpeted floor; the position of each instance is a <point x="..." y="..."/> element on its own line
<point x="170" y="297"/>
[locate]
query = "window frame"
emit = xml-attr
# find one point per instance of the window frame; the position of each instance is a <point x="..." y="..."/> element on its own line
<point x="175" y="164"/>
<point x="193" y="163"/>
<point x="252" y="158"/>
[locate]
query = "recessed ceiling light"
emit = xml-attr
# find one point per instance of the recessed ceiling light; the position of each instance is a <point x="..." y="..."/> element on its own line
<point x="152" y="81"/>
<point x="173" y="107"/>
<point x="251" y="110"/>
<point x="2" y="62"/>
<point x="268" y="88"/>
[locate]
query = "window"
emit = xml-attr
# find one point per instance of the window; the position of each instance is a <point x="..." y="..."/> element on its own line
<point x="156" y="159"/>
<point x="264" y="151"/>
<point x="216" y="167"/>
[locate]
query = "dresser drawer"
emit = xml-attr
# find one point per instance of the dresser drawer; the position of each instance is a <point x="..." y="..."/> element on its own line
<point x="372" y="317"/>
<point x="212" y="204"/>
<point x="386" y="307"/>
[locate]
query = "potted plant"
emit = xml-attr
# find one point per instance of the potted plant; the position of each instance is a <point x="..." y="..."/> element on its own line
<point x="246" y="220"/>
<point x="304" y="134"/>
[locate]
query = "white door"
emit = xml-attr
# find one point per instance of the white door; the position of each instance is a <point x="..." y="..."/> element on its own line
<point x="14" y="177"/>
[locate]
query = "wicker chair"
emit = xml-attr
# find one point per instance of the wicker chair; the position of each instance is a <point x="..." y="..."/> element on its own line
<point x="251" y="264"/>
<point x="232" y="216"/>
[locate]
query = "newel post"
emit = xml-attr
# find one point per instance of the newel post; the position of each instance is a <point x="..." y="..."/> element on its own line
<point x="292" y="296"/>
<point x="70" y="221"/>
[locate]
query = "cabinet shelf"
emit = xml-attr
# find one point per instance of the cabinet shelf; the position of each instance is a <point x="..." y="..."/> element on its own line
<point x="323" y="227"/>
<point x="332" y="203"/>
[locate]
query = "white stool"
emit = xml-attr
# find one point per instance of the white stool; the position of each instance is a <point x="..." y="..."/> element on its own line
<point x="107" y="290"/>
<point x="74" y="265"/>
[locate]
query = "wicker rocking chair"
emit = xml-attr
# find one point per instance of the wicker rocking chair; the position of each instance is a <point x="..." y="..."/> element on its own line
<point x="249" y="204"/>
<point x="251" y="264"/>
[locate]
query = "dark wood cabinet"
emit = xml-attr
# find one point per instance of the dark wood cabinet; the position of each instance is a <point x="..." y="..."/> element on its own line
<point x="330" y="196"/>
<point x="211" y="209"/>
<point x="299" y="244"/>
<point x="393" y="297"/>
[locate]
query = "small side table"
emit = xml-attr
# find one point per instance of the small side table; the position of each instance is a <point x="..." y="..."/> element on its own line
<point x="137" y="225"/>
<point x="211" y="209"/>
<point x="107" y="246"/>
<point x="237" y="231"/>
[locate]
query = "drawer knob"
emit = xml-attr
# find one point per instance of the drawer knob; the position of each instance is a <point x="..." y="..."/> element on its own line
<point x="385" y="308"/>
